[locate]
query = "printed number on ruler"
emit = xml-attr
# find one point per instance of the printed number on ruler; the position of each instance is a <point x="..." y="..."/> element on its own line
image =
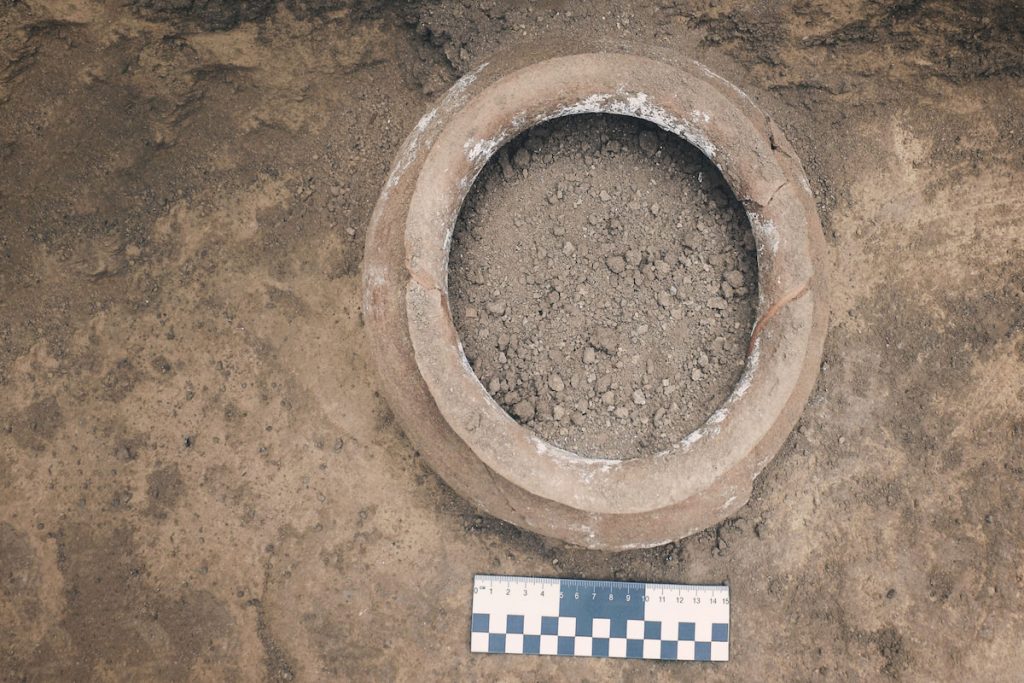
<point x="524" y="615"/>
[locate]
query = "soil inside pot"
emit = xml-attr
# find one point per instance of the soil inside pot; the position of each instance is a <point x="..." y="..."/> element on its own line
<point x="603" y="280"/>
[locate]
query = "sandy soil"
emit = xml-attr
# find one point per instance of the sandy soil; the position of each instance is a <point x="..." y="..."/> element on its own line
<point x="198" y="480"/>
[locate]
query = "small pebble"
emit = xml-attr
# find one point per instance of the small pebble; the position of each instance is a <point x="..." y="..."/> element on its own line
<point x="521" y="159"/>
<point x="523" y="410"/>
<point x="717" y="303"/>
<point x="734" y="278"/>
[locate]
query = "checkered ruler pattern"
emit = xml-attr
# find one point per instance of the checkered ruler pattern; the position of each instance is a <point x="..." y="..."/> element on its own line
<point x="570" y="617"/>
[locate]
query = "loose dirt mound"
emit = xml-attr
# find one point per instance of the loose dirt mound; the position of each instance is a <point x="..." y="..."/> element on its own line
<point x="603" y="281"/>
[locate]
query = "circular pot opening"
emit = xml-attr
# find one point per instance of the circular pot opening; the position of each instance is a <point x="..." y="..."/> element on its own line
<point x="507" y="468"/>
<point x="603" y="281"/>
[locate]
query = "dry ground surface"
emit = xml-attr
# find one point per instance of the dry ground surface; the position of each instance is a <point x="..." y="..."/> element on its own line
<point x="199" y="481"/>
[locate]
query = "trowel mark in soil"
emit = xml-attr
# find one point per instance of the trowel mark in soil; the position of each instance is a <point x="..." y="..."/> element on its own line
<point x="604" y="283"/>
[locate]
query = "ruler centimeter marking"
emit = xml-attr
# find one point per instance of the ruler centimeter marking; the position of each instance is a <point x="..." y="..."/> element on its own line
<point x="583" y="618"/>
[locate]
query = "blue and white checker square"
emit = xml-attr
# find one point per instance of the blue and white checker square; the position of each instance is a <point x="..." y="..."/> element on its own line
<point x="514" y="623"/>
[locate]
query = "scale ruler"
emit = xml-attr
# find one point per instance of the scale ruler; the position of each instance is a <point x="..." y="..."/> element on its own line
<point x="577" y="618"/>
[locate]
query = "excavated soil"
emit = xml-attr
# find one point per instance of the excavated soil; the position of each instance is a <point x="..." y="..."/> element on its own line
<point x="603" y="280"/>
<point x="198" y="480"/>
